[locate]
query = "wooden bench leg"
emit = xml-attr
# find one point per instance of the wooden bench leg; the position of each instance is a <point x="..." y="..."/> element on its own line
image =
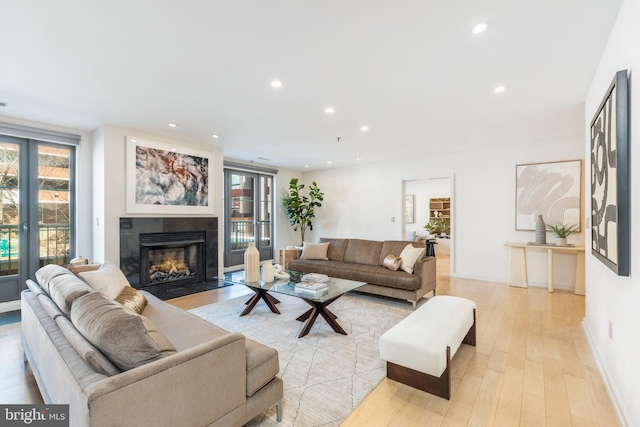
<point x="440" y="386"/>
<point x="470" y="338"/>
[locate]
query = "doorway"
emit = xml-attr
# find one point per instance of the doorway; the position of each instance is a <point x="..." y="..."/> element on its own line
<point x="422" y="193"/>
<point x="248" y="215"/>
<point x="36" y="210"/>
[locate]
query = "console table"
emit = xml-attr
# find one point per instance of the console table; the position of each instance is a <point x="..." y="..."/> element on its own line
<point x="518" y="264"/>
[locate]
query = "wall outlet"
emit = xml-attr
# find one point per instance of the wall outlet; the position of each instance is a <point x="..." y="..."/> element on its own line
<point x="393" y="219"/>
<point x="610" y="329"/>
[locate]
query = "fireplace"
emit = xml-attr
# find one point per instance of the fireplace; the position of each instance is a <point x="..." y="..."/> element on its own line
<point x="169" y="257"/>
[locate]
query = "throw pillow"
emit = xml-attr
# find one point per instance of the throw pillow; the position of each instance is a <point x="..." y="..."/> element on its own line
<point x="85" y="349"/>
<point x="314" y="251"/>
<point x="108" y="280"/>
<point x="77" y="269"/>
<point x="409" y="257"/>
<point x="132" y="299"/>
<point x="392" y="262"/>
<point x="128" y="339"/>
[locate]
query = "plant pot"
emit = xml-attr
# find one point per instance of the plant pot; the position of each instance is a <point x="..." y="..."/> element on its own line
<point x="561" y="241"/>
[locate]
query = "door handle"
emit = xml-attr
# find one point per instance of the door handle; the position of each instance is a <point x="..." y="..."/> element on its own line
<point x="25" y="226"/>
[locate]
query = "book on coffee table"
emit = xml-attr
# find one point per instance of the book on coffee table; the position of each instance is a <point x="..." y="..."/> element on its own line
<point x="315" y="277"/>
<point x="312" y="288"/>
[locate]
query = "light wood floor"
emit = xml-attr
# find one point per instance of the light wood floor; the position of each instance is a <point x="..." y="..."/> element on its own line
<point x="532" y="365"/>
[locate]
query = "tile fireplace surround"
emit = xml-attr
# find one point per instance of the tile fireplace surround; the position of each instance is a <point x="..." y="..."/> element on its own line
<point x="195" y="236"/>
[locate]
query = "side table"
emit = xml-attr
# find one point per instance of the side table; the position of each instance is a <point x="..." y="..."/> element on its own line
<point x="287" y="255"/>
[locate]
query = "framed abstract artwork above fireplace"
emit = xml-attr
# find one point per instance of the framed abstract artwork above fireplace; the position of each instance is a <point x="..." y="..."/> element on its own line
<point x="167" y="179"/>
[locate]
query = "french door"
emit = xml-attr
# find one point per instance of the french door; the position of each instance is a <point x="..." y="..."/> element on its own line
<point x="36" y="210"/>
<point x="248" y="215"/>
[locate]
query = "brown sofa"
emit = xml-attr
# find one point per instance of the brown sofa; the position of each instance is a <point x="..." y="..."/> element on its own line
<point x="212" y="378"/>
<point x="362" y="260"/>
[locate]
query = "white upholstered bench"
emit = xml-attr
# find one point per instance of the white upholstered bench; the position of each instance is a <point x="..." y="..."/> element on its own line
<point x="418" y="350"/>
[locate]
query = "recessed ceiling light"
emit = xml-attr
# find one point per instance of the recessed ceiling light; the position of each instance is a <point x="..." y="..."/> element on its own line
<point x="215" y="136"/>
<point x="276" y="83"/>
<point x="329" y="162"/>
<point x="330" y="110"/>
<point x="480" y="28"/>
<point x="173" y="125"/>
<point x="306" y="166"/>
<point x="364" y="128"/>
<point x="357" y="158"/>
<point x="500" y="89"/>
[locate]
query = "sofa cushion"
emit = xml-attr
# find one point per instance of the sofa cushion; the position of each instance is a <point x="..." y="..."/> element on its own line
<point x="126" y="338"/>
<point x="410" y="255"/>
<point x="262" y="365"/>
<point x="337" y="248"/>
<point x="85" y="349"/>
<point x="132" y="299"/>
<point x="363" y="252"/>
<point x="395" y="247"/>
<point x="62" y="286"/>
<point x="108" y="280"/>
<point x="314" y="251"/>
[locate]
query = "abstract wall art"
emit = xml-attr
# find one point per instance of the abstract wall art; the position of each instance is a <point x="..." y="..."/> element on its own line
<point x="552" y="190"/>
<point x="166" y="179"/>
<point x="610" y="192"/>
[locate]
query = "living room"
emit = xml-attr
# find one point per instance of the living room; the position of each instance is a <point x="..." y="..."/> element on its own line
<point x="366" y="200"/>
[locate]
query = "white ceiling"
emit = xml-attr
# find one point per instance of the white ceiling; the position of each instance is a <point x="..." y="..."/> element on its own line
<point x="411" y="70"/>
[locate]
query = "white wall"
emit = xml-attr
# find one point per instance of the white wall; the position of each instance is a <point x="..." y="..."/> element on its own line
<point x="361" y="201"/>
<point x="610" y="298"/>
<point x="109" y="187"/>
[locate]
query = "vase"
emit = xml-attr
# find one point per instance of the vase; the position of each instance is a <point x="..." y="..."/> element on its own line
<point x="267" y="271"/>
<point x="541" y="231"/>
<point x="251" y="263"/>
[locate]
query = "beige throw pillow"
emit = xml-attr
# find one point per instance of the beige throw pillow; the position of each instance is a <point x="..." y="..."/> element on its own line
<point x="392" y="262"/>
<point x="108" y="280"/>
<point x="409" y="257"/>
<point x="128" y="339"/>
<point x="314" y="251"/>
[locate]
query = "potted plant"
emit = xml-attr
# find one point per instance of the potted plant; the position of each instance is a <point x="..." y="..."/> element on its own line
<point x="300" y="209"/>
<point x="562" y="231"/>
<point x="436" y="227"/>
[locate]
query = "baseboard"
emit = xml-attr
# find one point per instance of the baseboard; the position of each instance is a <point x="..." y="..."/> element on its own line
<point x="9" y="306"/>
<point x="482" y="278"/>
<point x="619" y="408"/>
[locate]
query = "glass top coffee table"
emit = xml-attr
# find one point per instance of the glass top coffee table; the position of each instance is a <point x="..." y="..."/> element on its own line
<point x="337" y="288"/>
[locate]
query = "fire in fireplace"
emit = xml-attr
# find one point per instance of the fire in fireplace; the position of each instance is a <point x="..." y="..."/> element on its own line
<point x="171" y="257"/>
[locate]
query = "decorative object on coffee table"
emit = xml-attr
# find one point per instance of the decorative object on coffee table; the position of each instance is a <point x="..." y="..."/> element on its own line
<point x="267" y="271"/>
<point x="252" y="263"/>
<point x="541" y="231"/>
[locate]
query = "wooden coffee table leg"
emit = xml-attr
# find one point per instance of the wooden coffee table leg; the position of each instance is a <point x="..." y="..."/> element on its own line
<point x="319" y="309"/>
<point x="260" y="294"/>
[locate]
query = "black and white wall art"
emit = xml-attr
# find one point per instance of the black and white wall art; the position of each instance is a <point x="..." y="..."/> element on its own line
<point x="610" y="192"/>
<point x="552" y="190"/>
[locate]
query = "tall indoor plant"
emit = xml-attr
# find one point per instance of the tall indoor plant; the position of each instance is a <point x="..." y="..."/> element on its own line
<point x="299" y="208"/>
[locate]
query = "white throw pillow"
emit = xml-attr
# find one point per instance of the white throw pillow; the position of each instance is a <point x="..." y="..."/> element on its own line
<point x="314" y="251"/>
<point x="409" y="257"/>
<point x="108" y="280"/>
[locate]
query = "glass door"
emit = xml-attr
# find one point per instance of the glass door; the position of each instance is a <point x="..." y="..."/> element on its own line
<point x="248" y="208"/>
<point x="36" y="194"/>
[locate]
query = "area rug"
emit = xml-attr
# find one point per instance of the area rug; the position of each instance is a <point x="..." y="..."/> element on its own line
<point x="325" y="374"/>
